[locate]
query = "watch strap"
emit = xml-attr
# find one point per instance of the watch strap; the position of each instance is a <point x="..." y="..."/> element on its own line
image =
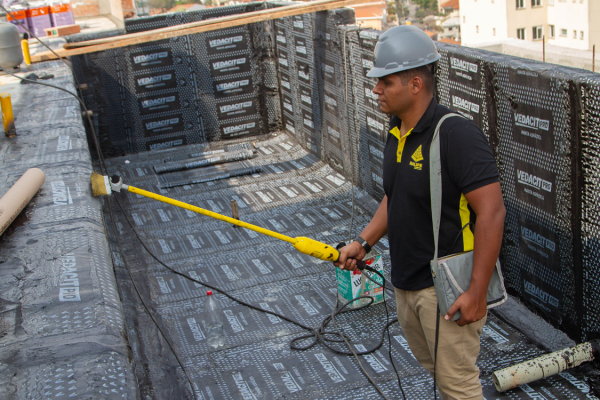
<point x="363" y="243"/>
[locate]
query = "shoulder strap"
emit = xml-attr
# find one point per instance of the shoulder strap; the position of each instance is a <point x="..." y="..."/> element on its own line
<point x="435" y="183"/>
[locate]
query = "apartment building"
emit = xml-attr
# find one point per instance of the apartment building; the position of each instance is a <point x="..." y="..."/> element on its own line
<point x="566" y="23"/>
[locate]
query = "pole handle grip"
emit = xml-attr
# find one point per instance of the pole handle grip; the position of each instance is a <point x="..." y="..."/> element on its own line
<point x="360" y="264"/>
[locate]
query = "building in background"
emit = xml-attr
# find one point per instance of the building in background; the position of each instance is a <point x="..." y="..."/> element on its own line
<point x="371" y="15"/>
<point x="567" y="23"/>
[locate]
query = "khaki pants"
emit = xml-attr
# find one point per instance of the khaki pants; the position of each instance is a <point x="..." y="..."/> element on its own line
<point x="458" y="347"/>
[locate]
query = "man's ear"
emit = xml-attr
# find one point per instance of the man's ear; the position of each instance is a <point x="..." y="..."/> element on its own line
<point x="416" y="84"/>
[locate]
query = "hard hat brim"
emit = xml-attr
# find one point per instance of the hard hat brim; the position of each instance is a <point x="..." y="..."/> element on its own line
<point x="377" y="72"/>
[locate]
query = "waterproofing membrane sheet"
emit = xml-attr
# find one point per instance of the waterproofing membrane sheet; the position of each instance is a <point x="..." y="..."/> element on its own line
<point x="298" y="195"/>
<point x="183" y="90"/>
<point x="62" y="326"/>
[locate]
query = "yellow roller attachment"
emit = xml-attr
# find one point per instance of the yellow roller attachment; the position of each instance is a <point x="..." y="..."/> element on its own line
<point x="316" y="249"/>
<point x="220" y="217"/>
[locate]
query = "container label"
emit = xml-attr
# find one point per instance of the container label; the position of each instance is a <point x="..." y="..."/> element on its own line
<point x="160" y="103"/>
<point x="166" y="143"/>
<point x="151" y="59"/>
<point x="535" y="186"/>
<point x="284" y="60"/>
<point x="303" y="71"/>
<point x="229" y="65"/>
<point x="306" y="96"/>
<point x="233" y="88"/>
<point x="467" y="105"/>
<point x="375" y="126"/>
<point x="330" y="102"/>
<point x="225" y="43"/>
<point x="538" y="243"/>
<point x="163" y="125"/>
<point x="237" y="108"/>
<point x="329" y="72"/>
<point x="240" y="129"/>
<point x="298" y="22"/>
<point x="465" y="70"/>
<point x="532" y="126"/>
<point x="155" y="81"/>
<point x="540" y="293"/>
<point x="301" y="47"/>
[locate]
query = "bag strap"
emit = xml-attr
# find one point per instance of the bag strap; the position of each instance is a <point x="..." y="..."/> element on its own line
<point x="435" y="185"/>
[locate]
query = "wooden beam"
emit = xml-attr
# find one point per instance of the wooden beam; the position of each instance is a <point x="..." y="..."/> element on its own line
<point x="93" y="46"/>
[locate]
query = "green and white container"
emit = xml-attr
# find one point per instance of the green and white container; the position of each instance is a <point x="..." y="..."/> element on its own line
<point x="353" y="284"/>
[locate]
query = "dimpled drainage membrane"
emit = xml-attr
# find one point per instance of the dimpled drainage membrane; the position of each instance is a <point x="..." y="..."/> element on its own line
<point x="304" y="77"/>
<point x="298" y="195"/>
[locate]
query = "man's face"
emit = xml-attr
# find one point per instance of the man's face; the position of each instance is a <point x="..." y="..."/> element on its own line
<point x="392" y="95"/>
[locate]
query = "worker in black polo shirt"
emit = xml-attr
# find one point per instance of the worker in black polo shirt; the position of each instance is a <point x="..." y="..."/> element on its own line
<point x="404" y="57"/>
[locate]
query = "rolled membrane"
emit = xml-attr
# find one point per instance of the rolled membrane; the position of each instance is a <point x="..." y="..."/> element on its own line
<point x="19" y="195"/>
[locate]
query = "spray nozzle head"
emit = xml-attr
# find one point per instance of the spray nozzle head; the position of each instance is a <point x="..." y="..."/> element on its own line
<point x="209" y="292"/>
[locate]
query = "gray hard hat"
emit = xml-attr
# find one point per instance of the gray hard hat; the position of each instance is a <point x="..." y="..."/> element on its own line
<point x="401" y="48"/>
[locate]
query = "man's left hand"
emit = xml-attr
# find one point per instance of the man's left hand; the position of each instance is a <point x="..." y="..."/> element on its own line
<point x="473" y="307"/>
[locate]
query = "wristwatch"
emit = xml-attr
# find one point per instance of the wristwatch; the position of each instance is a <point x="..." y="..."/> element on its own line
<point x="363" y="243"/>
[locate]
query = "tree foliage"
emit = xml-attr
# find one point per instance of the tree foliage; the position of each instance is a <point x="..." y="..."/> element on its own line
<point x="429" y="4"/>
<point x="162" y="4"/>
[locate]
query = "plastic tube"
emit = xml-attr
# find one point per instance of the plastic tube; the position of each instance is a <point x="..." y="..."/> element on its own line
<point x="19" y="195"/>
<point x="544" y="366"/>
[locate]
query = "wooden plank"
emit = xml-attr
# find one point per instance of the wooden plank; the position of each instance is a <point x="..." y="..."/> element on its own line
<point x="310" y="5"/>
<point x="217" y="23"/>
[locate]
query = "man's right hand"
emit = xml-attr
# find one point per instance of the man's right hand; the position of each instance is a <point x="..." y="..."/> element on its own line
<point x="348" y="256"/>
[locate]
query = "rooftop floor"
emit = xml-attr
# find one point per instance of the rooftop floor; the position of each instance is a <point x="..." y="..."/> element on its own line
<point x="298" y="195"/>
<point x="107" y="346"/>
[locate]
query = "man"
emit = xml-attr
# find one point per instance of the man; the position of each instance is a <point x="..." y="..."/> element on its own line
<point x="404" y="57"/>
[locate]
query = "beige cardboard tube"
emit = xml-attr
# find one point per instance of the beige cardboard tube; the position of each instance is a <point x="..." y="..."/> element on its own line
<point x="19" y="195"/>
<point x="542" y="367"/>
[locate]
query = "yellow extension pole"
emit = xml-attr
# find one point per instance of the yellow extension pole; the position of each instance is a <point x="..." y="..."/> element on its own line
<point x="305" y="245"/>
<point x="7" y="115"/>
<point x="210" y="214"/>
<point x="26" y="53"/>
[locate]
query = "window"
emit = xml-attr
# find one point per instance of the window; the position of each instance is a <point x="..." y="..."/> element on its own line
<point x="520" y="4"/>
<point x="581" y="35"/>
<point x="476" y="28"/>
<point x="574" y="34"/>
<point x="521" y="33"/>
<point x="536" y="3"/>
<point x="552" y="31"/>
<point x="494" y="31"/>
<point x="538" y="33"/>
<point x="563" y="32"/>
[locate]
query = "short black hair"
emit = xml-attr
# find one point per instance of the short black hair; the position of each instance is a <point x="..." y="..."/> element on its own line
<point x="425" y="72"/>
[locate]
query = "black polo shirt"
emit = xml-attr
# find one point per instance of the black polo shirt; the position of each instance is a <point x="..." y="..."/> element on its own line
<point x="467" y="164"/>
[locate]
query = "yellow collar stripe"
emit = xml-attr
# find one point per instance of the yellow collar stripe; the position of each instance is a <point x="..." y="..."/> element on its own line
<point x="401" y="141"/>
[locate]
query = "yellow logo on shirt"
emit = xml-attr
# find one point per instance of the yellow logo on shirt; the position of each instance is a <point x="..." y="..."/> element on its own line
<point x="417" y="155"/>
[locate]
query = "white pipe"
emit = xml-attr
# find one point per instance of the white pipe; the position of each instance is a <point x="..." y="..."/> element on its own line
<point x="544" y="366"/>
<point x="19" y="195"/>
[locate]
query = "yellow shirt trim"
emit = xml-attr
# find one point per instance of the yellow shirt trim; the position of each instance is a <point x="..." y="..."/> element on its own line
<point x="401" y="140"/>
<point x="465" y="218"/>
